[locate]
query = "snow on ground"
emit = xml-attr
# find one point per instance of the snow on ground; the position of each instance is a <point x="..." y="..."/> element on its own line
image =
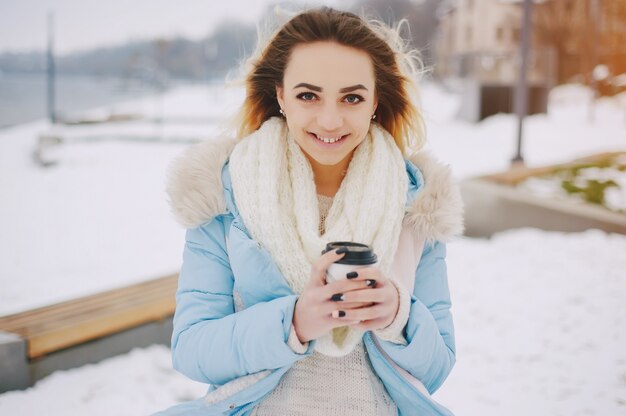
<point x="540" y="326"/>
<point x="563" y="134"/>
<point x="94" y="222"/>
<point x="540" y="316"/>
<point x="98" y="218"/>
<point x="138" y="383"/>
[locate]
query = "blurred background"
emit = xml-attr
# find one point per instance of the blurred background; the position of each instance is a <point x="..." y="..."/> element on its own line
<point x="524" y="100"/>
<point x="154" y="45"/>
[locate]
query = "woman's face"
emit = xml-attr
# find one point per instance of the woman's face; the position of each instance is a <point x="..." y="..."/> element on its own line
<point x="328" y="97"/>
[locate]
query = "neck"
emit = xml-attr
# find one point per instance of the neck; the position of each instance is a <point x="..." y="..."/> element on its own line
<point x="328" y="178"/>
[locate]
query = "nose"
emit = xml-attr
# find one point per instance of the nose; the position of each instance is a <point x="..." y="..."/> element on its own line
<point x="330" y="118"/>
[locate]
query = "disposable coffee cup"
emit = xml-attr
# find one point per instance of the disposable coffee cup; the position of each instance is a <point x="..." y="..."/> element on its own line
<point x="358" y="256"/>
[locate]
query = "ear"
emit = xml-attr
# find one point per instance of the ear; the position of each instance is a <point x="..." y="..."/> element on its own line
<point x="279" y="96"/>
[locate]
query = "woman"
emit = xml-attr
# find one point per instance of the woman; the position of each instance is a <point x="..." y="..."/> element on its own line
<point x="325" y="126"/>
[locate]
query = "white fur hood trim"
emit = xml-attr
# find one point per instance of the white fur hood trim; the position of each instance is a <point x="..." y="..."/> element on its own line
<point x="194" y="187"/>
<point x="437" y="212"/>
<point x="194" y="182"/>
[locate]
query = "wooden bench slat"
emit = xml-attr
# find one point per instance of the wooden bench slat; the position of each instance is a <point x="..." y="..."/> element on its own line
<point x="72" y="322"/>
<point x="68" y="307"/>
<point x="82" y="308"/>
<point x="103" y="298"/>
<point x="45" y="343"/>
<point x="86" y="313"/>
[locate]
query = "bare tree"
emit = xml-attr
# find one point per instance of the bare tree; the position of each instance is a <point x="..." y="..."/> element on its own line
<point x="557" y="25"/>
<point x="583" y="34"/>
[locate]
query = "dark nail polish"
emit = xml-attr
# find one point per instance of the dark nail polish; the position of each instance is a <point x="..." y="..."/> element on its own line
<point x="337" y="297"/>
<point x="342" y="314"/>
<point x="341" y="250"/>
<point x="371" y="282"/>
<point x="352" y="275"/>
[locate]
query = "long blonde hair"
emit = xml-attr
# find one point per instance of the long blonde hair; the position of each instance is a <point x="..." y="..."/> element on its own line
<point x="395" y="70"/>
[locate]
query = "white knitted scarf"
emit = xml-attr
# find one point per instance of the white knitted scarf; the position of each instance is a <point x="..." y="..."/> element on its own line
<point x="275" y="193"/>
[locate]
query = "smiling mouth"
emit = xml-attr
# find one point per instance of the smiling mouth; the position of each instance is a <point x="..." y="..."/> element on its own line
<point x="329" y="140"/>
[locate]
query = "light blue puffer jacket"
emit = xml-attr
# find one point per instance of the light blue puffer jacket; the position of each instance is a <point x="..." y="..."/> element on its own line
<point x="243" y="353"/>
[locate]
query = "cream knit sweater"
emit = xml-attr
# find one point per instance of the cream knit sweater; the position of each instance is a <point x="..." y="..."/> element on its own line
<point x="320" y="385"/>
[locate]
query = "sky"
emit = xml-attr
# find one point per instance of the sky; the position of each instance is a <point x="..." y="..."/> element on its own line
<point x="84" y="24"/>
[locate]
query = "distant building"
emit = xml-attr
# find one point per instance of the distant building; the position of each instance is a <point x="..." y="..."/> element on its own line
<point x="480" y="25"/>
<point x="479" y="39"/>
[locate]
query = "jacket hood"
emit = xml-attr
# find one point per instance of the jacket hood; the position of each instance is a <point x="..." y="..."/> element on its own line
<point x="196" y="190"/>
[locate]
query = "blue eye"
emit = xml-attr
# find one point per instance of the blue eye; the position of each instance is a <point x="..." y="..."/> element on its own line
<point x="353" y="99"/>
<point x="306" y="96"/>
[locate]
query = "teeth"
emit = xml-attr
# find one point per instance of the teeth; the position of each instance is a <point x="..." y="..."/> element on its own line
<point x="328" y="139"/>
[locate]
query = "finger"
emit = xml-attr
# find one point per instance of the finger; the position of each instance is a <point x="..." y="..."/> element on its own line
<point x="326" y="308"/>
<point x="344" y="286"/>
<point x="359" y="298"/>
<point x="364" y="273"/>
<point x="365" y="296"/>
<point x="353" y="305"/>
<point x="319" y="267"/>
<point x="362" y="314"/>
<point x="332" y="322"/>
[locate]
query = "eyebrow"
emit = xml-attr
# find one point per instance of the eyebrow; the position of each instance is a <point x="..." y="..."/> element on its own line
<point x="319" y="89"/>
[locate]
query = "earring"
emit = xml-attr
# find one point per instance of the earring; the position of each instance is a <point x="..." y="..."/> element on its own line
<point x="282" y="113"/>
<point x="373" y="116"/>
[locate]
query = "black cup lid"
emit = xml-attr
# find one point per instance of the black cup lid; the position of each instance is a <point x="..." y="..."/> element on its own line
<point x="357" y="254"/>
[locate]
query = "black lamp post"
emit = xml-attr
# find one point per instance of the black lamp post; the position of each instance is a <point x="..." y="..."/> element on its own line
<point x="521" y="89"/>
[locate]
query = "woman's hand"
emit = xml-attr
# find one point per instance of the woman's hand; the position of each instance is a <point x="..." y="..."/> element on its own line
<point x="313" y="314"/>
<point x="366" y="301"/>
<point x="382" y="300"/>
